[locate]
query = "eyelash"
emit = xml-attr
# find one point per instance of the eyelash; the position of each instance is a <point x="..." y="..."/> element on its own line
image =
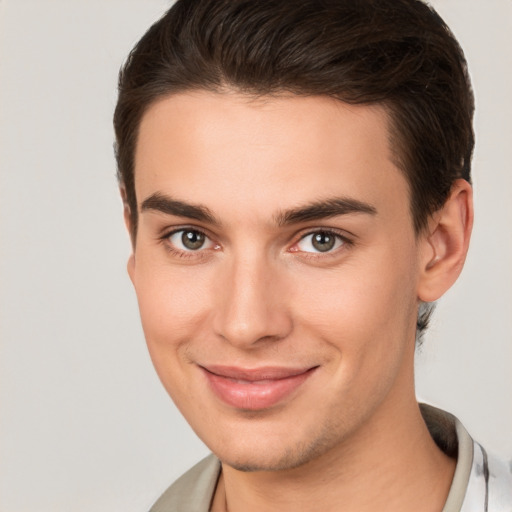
<point x="345" y="244"/>
<point x="202" y="253"/>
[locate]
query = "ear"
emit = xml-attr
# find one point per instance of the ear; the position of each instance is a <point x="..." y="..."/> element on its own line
<point x="446" y="243"/>
<point x="126" y="209"/>
<point x="128" y="223"/>
<point x="130" y="267"/>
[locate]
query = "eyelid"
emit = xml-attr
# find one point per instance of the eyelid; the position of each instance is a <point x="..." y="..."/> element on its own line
<point x="166" y="234"/>
<point x="346" y="239"/>
<point x="341" y="233"/>
<point x="169" y="231"/>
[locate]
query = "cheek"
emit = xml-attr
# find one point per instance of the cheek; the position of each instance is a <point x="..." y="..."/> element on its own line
<point x="357" y="301"/>
<point x="168" y="295"/>
<point x="366" y="309"/>
<point x="173" y="307"/>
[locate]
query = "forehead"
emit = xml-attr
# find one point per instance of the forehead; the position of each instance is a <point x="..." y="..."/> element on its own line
<point x="219" y="147"/>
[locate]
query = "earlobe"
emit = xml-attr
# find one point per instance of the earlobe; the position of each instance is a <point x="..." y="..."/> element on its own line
<point x="446" y="243"/>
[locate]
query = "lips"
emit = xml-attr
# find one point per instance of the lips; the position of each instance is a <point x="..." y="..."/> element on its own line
<point x="255" y="389"/>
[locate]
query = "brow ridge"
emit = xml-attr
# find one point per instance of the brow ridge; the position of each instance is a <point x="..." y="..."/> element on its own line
<point x="165" y="204"/>
<point x="323" y="209"/>
<point x="316" y="210"/>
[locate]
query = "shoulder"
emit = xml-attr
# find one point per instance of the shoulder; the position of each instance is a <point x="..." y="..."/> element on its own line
<point x="490" y="483"/>
<point x="193" y="491"/>
<point x="482" y="482"/>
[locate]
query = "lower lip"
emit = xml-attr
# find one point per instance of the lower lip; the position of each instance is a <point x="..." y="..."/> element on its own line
<point x="255" y="395"/>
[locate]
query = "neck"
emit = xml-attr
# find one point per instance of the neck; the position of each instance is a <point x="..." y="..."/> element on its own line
<point x="392" y="464"/>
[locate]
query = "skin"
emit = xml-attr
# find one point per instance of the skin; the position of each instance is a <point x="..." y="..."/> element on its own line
<point x="259" y="293"/>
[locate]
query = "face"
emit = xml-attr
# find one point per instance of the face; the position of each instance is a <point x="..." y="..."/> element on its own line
<point x="276" y="269"/>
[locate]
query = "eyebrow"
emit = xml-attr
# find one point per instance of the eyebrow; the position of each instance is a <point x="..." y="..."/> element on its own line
<point x="317" y="210"/>
<point x="165" y="204"/>
<point x="324" y="209"/>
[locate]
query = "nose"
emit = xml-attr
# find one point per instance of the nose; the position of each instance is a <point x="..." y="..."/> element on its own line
<point x="251" y="306"/>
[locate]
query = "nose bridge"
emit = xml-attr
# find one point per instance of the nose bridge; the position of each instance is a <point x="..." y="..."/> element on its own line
<point x="250" y="309"/>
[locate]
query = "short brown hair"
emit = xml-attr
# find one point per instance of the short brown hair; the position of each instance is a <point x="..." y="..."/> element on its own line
<point x="396" y="53"/>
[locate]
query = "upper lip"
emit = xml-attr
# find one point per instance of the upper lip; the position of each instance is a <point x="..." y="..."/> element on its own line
<point x="256" y="374"/>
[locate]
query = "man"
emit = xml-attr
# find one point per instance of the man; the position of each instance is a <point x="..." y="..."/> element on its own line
<point x="296" y="182"/>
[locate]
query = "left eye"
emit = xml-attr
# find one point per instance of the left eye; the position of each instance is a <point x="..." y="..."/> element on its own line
<point x="320" y="241"/>
<point x="189" y="240"/>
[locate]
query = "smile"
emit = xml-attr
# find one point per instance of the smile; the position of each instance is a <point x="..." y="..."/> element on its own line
<point x="255" y="389"/>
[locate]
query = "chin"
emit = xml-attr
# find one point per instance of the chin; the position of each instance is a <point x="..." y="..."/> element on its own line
<point x="276" y="456"/>
<point x="252" y="464"/>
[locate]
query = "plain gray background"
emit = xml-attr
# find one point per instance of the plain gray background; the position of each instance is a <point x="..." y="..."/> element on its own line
<point x="85" y="424"/>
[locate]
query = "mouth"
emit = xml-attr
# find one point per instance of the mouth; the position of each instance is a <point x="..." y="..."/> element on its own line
<point x="255" y="389"/>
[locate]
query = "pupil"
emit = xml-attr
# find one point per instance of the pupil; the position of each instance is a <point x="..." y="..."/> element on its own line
<point x="192" y="239"/>
<point x="323" y="242"/>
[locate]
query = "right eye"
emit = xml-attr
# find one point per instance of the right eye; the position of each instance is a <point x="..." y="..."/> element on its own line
<point x="188" y="240"/>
